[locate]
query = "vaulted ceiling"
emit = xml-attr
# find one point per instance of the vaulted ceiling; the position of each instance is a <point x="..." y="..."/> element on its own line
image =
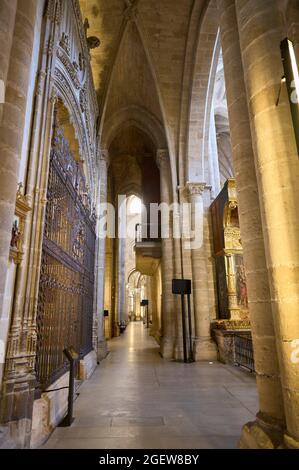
<point x="142" y="54"/>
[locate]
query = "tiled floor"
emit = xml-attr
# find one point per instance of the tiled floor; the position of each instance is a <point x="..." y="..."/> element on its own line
<point x="135" y="399"/>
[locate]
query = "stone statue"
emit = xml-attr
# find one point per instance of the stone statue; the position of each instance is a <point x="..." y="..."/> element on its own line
<point x="15" y="235"/>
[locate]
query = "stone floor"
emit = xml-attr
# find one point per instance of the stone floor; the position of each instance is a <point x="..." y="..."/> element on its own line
<point x="135" y="399"/>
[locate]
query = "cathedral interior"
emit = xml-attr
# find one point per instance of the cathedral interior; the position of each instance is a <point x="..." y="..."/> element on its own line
<point x="149" y="229"/>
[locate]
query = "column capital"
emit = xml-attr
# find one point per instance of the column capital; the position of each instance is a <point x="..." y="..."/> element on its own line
<point x="162" y="157"/>
<point x="195" y="189"/>
<point x="104" y="156"/>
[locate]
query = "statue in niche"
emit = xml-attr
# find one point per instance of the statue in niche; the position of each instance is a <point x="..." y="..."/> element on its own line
<point x="65" y="43"/>
<point x="81" y="62"/>
<point x="15" y="235"/>
<point x="86" y="26"/>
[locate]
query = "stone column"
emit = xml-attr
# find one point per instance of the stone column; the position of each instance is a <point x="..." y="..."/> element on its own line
<point x="270" y="419"/>
<point x="101" y="258"/>
<point x="121" y="257"/>
<point x="204" y="347"/>
<point x="155" y="328"/>
<point x="137" y="299"/>
<point x="213" y="156"/>
<point x="12" y="129"/>
<point x="292" y="19"/>
<point x="277" y="169"/>
<point x="108" y="287"/>
<point x="168" y="314"/>
<point x="15" y="69"/>
<point x="7" y="21"/>
<point x="149" y="291"/>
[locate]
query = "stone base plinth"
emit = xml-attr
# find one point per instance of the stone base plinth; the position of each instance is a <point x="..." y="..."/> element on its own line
<point x="205" y="350"/>
<point x="260" y="434"/>
<point x="88" y="365"/>
<point x="6" y="442"/>
<point x="102" y="350"/>
<point x="50" y="409"/>
<point x="167" y="348"/>
<point x="156" y="335"/>
<point x="290" y="443"/>
<point x="225" y="343"/>
<point x="48" y="412"/>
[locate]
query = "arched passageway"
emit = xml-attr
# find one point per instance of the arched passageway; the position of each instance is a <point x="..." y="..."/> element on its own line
<point x="142" y="142"/>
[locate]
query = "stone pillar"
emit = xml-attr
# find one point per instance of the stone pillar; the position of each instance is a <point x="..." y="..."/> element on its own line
<point x="155" y="296"/>
<point x="292" y="20"/>
<point x="12" y="129"/>
<point x="277" y="169"/>
<point x="7" y="21"/>
<point x="137" y="299"/>
<point x="121" y="261"/>
<point x="101" y="258"/>
<point x="270" y="419"/>
<point x="204" y="348"/>
<point x="168" y="314"/>
<point x="213" y="156"/>
<point x="15" y="67"/>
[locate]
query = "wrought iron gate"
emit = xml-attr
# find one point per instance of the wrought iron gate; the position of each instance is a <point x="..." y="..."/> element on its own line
<point x="65" y="305"/>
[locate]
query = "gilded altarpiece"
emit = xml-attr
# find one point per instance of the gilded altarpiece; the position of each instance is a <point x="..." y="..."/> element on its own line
<point x="228" y="254"/>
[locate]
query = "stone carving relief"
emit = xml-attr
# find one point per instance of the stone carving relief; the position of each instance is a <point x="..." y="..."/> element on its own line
<point x="73" y="78"/>
<point x="53" y="11"/>
<point x="69" y="67"/>
<point x="92" y="41"/>
<point x="17" y="232"/>
<point x="65" y="43"/>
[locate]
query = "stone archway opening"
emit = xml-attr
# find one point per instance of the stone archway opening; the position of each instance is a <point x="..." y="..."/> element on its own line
<point x="133" y="185"/>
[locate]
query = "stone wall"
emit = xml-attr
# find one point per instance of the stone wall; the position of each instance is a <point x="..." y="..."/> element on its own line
<point x="49" y="61"/>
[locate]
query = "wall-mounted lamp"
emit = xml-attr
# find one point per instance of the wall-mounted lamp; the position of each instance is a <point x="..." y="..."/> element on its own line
<point x="291" y="75"/>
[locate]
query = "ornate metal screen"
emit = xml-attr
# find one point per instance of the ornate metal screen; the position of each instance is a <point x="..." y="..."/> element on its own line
<point x="65" y="306"/>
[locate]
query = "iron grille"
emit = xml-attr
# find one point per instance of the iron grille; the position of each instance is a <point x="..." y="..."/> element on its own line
<point x="244" y="351"/>
<point x="65" y="304"/>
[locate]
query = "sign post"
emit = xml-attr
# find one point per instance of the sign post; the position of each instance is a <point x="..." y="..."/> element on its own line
<point x="72" y="357"/>
<point x="144" y="303"/>
<point x="182" y="287"/>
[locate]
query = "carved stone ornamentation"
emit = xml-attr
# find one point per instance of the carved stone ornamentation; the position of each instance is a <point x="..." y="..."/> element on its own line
<point x="83" y="100"/>
<point x="53" y="95"/>
<point x="162" y="158"/>
<point x="54" y="11"/>
<point x="195" y="189"/>
<point x="50" y="11"/>
<point x="72" y="72"/>
<point x="65" y="43"/>
<point x="40" y="82"/>
<point x="49" y="47"/>
<point x="93" y="42"/>
<point x="16" y="243"/>
<point x="81" y="62"/>
<point x="104" y="156"/>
